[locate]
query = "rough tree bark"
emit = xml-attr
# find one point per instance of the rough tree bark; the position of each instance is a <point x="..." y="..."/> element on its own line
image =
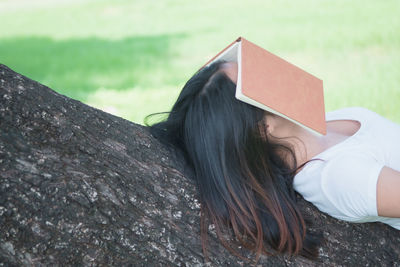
<point x="79" y="186"/>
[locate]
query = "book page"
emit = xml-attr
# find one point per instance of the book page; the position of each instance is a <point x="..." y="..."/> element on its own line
<point x="229" y="54"/>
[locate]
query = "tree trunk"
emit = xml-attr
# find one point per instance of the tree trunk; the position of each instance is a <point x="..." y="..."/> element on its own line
<point x="79" y="186"/>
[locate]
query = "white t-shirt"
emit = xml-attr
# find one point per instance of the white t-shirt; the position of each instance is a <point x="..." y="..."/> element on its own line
<point x="343" y="185"/>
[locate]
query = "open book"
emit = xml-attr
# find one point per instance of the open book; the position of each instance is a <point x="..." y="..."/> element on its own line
<point x="275" y="85"/>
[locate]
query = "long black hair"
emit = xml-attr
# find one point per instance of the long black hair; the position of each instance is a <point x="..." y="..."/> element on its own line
<point x="243" y="182"/>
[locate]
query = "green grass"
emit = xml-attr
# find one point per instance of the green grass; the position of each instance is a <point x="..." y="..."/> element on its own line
<point x="131" y="58"/>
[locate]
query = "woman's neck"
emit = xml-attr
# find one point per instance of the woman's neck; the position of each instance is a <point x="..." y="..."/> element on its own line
<point x="303" y="143"/>
<point x="307" y="145"/>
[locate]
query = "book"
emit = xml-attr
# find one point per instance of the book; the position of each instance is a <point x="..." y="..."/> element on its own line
<point x="275" y="85"/>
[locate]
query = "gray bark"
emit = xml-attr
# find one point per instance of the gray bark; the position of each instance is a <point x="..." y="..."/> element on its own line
<point x="80" y="187"/>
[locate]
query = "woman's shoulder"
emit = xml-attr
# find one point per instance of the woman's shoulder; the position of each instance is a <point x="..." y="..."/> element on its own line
<point x="351" y="112"/>
<point x="348" y="184"/>
<point x="361" y="114"/>
<point x="350" y="178"/>
<point x="343" y="187"/>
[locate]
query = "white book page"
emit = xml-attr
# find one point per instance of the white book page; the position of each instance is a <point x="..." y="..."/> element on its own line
<point x="229" y="54"/>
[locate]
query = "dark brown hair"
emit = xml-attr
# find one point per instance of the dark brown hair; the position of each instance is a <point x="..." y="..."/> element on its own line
<point x="243" y="183"/>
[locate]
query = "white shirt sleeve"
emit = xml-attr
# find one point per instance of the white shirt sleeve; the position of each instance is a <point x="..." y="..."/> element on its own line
<point x="349" y="182"/>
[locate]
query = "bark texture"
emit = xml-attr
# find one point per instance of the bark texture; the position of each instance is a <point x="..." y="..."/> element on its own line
<point x="81" y="187"/>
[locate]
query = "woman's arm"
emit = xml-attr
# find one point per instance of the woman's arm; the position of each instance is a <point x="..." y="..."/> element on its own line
<point x="388" y="193"/>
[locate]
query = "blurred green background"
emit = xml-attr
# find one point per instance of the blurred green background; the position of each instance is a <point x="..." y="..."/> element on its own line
<point x="131" y="58"/>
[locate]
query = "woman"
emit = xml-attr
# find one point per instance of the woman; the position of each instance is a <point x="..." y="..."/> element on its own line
<point x="247" y="163"/>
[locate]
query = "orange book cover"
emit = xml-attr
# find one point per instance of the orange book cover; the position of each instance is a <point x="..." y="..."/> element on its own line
<point x="275" y="85"/>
